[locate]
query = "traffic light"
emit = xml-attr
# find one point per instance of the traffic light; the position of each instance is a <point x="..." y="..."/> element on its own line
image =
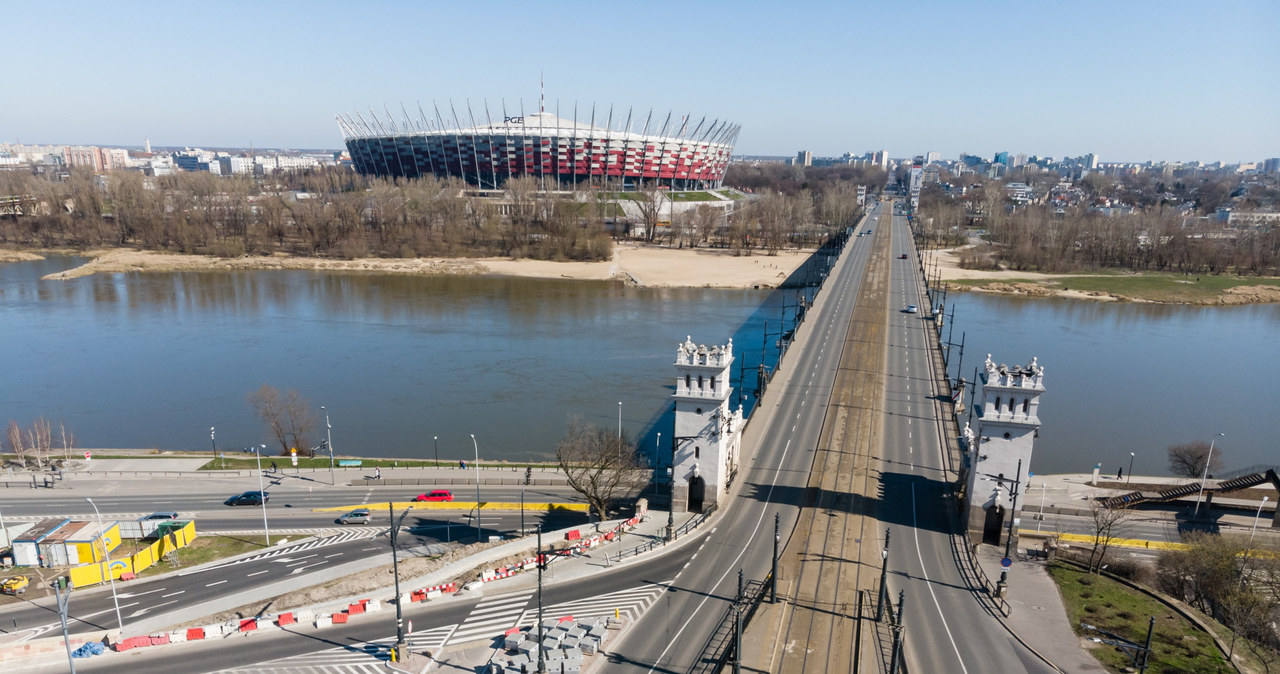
<point x="528" y="474"/>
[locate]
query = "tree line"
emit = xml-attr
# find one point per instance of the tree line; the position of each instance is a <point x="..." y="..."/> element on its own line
<point x="1039" y="238"/>
<point x="334" y="212"/>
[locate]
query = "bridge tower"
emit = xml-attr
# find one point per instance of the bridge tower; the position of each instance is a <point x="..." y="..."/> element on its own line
<point x="708" y="436"/>
<point x="1008" y="424"/>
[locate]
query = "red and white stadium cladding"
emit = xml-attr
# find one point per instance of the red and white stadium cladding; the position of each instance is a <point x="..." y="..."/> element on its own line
<point x="546" y="147"/>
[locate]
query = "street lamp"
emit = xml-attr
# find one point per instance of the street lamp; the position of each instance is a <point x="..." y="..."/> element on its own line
<point x="477" y="448"/>
<point x="395" y="570"/>
<point x="435" y="439"/>
<point x="619" y="419"/>
<point x="215" y="445"/>
<point x="328" y="429"/>
<point x="107" y="554"/>
<point x="262" y="495"/>
<point x="1207" y="459"/>
<point x="884" y="572"/>
<point x="1130" y="477"/>
<point x="1249" y="548"/>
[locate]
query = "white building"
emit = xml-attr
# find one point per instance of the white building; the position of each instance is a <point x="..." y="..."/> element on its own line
<point x="1000" y="452"/>
<point x="708" y="436"/>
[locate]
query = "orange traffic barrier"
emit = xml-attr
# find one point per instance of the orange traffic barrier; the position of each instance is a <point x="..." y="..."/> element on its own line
<point x="566" y="619"/>
<point x="572" y="535"/>
<point x="249" y="625"/>
<point x="355" y="609"/>
<point x="285" y="619"/>
<point x="195" y="633"/>
<point x="339" y="618"/>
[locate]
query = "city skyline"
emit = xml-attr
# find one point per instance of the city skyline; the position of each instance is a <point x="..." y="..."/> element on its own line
<point x="1165" y="82"/>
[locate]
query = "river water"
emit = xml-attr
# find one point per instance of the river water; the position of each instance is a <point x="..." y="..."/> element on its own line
<point x="1123" y="377"/>
<point x="155" y="360"/>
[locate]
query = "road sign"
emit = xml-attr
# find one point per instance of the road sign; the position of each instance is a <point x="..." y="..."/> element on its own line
<point x="1006" y="562"/>
<point x="88" y="456"/>
<point x="293" y="455"/>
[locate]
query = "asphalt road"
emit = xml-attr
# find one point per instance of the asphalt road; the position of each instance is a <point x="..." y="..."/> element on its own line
<point x="692" y="619"/>
<point x="946" y="628"/>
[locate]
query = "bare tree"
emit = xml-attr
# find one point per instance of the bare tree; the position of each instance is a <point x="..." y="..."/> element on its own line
<point x="650" y="203"/>
<point x="40" y="440"/>
<point x="599" y="464"/>
<point x="288" y="417"/>
<point x="68" y="441"/>
<point x="1106" y="522"/>
<point x="1189" y="459"/>
<point x="14" y="432"/>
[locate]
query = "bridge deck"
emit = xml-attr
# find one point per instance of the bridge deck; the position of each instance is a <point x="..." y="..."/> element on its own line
<point x="834" y="550"/>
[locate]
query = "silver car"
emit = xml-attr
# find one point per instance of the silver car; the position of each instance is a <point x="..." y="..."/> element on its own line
<point x="359" y="516"/>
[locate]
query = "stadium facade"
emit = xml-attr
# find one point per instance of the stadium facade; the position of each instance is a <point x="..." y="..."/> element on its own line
<point x="560" y="152"/>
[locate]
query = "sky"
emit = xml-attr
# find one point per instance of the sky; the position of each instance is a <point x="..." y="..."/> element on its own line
<point x="1129" y="81"/>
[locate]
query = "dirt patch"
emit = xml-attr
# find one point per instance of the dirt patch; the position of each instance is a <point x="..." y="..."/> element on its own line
<point x="18" y="256"/>
<point x="1249" y="295"/>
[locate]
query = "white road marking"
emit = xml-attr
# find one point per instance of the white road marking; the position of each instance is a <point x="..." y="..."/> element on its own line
<point x="216" y="583"/>
<point x="257" y="573"/>
<point x="915" y="530"/>
<point x="172" y="594"/>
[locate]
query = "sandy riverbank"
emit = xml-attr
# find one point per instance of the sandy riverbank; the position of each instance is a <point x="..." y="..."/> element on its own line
<point x="643" y="265"/>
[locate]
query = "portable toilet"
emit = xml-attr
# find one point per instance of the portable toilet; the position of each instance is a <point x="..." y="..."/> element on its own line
<point x="86" y="546"/>
<point x="26" y="550"/>
<point x="54" y="546"/>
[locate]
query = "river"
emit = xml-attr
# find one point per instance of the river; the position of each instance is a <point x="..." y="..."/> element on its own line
<point x="154" y="360"/>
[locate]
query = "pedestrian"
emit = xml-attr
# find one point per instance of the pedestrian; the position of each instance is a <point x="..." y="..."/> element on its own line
<point x="377" y="473"/>
<point x="462" y="464"/>
<point x="1120" y="473"/>
<point x="274" y="469"/>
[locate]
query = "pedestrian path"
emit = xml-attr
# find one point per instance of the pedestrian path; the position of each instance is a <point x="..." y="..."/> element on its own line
<point x="629" y="603"/>
<point x="492" y="616"/>
<point x="366" y="658"/>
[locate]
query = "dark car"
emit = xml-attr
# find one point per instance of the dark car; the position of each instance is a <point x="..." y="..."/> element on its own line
<point x="251" y="498"/>
<point x="902" y="256"/>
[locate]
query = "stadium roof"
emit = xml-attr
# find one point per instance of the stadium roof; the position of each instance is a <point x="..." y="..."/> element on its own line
<point x="681" y="129"/>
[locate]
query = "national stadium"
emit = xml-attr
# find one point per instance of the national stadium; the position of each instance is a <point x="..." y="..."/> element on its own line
<point x="561" y="152"/>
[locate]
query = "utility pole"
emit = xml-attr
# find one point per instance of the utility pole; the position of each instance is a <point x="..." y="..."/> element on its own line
<point x="63" y="601"/>
<point x="895" y="657"/>
<point x="395" y="570"/>
<point x="884" y="572"/>
<point x="773" y="590"/>
<point x="541" y="563"/>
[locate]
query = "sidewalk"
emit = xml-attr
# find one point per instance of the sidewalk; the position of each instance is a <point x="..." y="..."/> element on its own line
<point x="1038" y="619"/>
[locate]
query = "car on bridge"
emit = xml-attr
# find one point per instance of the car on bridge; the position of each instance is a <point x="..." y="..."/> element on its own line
<point x="357" y="516"/>
<point x="437" y="495"/>
<point x="251" y="498"/>
<point x="911" y="309"/>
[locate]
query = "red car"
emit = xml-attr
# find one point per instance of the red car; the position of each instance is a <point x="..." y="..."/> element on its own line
<point x="437" y="495"/>
<point x="902" y="256"/>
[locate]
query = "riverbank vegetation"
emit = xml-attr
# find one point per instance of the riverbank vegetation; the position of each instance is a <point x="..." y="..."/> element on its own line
<point x="334" y="213"/>
<point x="1135" y="223"/>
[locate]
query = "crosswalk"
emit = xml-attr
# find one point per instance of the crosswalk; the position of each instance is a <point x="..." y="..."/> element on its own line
<point x="488" y="620"/>
<point x="492" y="616"/>
<point x="366" y="658"/>
<point x="309" y="544"/>
<point x="629" y="603"/>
